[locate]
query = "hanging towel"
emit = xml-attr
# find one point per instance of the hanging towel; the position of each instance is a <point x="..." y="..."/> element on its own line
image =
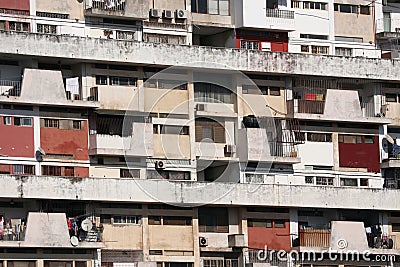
<point x="72" y="85"/>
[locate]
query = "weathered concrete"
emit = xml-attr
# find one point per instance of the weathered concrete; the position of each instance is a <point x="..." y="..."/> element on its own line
<point x="186" y="193"/>
<point x="91" y="49"/>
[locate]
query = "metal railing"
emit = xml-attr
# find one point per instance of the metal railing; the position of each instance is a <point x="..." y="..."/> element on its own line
<point x="271" y="258"/>
<point x="10" y="88"/>
<point x="277" y="13"/>
<point x="111" y="5"/>
<point x="315" y="238"/>
<point x="164" y="25"/>
<point x="278" y="149"/>
<point x="368" y="109"/>
<point x="305" y="106"/>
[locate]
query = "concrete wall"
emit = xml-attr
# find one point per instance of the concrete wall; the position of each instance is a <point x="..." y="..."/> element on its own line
<point x="73" y="8"/>
<point x="123" y="236"/>
<point x="355" y="25"/>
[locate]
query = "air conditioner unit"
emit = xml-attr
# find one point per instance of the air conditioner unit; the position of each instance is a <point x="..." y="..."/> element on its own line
<point x="159" y="164"/>
<point x="181" y="14"/>
<point x="168" y="14"/>
<point x="203" y="242"/>
<point x="155" y="13"/>
<point x="200" y="107"/>
<point x="230" y="149"/>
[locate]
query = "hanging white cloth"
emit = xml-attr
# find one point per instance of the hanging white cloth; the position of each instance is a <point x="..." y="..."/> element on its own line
<point x="72" y="85"/>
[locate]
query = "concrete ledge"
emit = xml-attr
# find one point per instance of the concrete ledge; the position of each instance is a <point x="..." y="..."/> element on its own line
<point x="196" y="193"/>
<point x="92" y="49"/>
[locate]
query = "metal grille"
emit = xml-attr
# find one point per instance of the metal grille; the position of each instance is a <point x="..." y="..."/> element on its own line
<point x="121" y="256"/>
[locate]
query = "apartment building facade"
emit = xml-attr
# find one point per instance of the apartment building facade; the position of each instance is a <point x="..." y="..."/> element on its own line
<point x="196" y="133"/>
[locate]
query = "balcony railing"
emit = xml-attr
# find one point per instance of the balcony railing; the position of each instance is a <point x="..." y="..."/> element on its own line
<point x="278" y="149"/>
<point x="277" y="13"/>
<point x="10" y="88"/>
<point x="368" y="109"/>
<point x="111" y="5"/>
<point x="315" y="238"/>
<point x="305" y="106"/>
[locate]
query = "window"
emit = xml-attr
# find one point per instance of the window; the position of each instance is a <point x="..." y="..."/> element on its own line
<point x="175" y="220"/>
<point x="365" y="10"/>
<point x="251" y="45"/>
<point x="348" y="182"/>
<point x="51" y="170"/>
<point x="171" y="84"/>
<point x="395" y="227"/>
<point x="253" y="178"/>
<point x="122" y="35"/>
<point x="213" y="220"/>
<point x="129" y="173"/>
<point x="315" y="5"/>
<point x="171" y="175"/>
<point x="275" y="91"/>
<point x="368" y="139"/>
<point x="45" y="28"/>
<point x="209" y="131"/>
<point x="212" y="93"/>
<point x="305" y="48"/>
<point x="344" y="8"/>
<point x="343" y="51"/>
<point x="101" y="80"/>
<point x="214" y="7"/>
<point x="319" y="137"/>
<point x="77" y="125"/>
<point x="124" y="219"/>
<point x="51" y="123"/>
<point x="20" y="121"/>
<point x="179" y="130"/>
<point x="164" y="38"/>
<point x="279" y="224"/>
<point x="213" y="263"/>
<point x="309" y="180"/>
<point x="124" y="81"/>
<point x="7" y="120"/>
<point x="363" y="182"/>
<point x="262" y="223"/>
<point x="23" y="169"/>
<point x="314" y="36"/>
<point x="319" y="49"/>
<point x="391" y="97"/>
<point x="52" y="15"/>
<point x="18" y="26"/>
<point x="324" y="181"/>
<point x="296" y="4"/>
<point x="154" y="220"/>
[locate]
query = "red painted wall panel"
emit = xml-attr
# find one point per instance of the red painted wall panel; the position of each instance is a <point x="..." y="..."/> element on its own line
<point x="279" y="40"/>
<point x="15" y="4"/>
<point x="66" y="142"/>
<point x="360" y="155"/>
<point x="81" y="172"/>
<point x="16" y="141"/>
<point x="273" y="238"/>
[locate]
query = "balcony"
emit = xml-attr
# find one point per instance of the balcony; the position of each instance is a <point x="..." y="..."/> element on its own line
<point x="357" y="238"/>
<point x="137" y="9"/>
<point x="45" y="230"/>
<point x="338" y="105"/>
<point x="315" y="238"/>
<point x="138" y="143"/>
<point x="277" y="13"/>
<point x="10" y="88"/>
<point x="43" y="87"/>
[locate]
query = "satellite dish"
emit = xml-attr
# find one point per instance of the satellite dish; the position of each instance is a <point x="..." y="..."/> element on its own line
<point x="389" y="139"/>
<point x="74" y="241"/>
<point x="86" y="225"/>
<point x="41" y="151"/>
